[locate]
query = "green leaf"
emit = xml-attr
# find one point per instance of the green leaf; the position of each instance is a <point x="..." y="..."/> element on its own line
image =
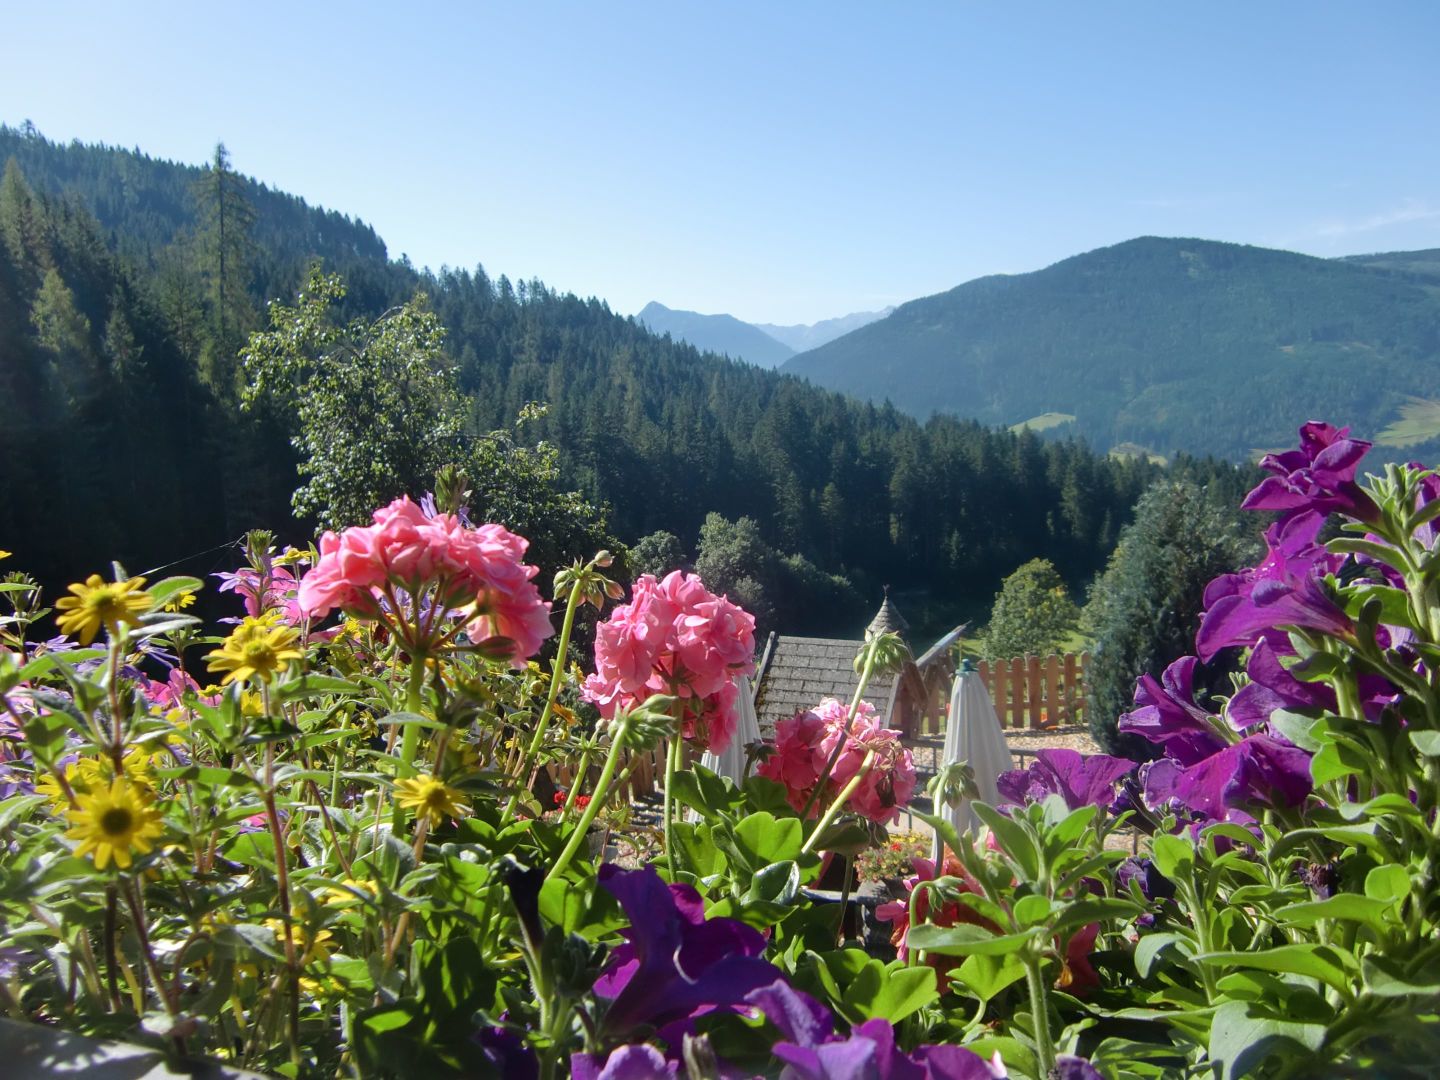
<point x="412" y="718"/>
<point x="1394" y="603"/>
<point x="251" y="849"/>
<point x="1012" y="837"/>
<point x="778" y="883"/>
<point x="891" y="993"/>
<point x="1388" y="883"/>
<point x="844" y="837"/>
<point x="1313" y="961"/>
<point x="985" y="976"/>
<point x="209" y="776"/>
<point x="1172" y="855"/>
<point x="967" y="940"/>
<point x="1387" y="978"/>
<point x="1388" y="804"/>
<point x="697" y="848"/>
<point x="246" y="938"/>
<point x="1031" y="910"/>
<point x="1362" y="836"/>
<point x="1346" y="906"/>
<point x="1096" y="909"/>
<point x="1427" y="743"/>
<point x="16" y="807"/>
<point x="1151" y="946"/>
<point x="314" y="684"/>
<point x="1242" y="1035"/>
<point x="1299" y="729"/>
<point x="763" y="839"/>
<point x="764" y="794"/>
<point x="1332" y="762"/>
<point x="1069" y="825"/>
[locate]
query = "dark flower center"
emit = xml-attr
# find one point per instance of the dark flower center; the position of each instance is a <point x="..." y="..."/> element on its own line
<point x="116" y="820"/>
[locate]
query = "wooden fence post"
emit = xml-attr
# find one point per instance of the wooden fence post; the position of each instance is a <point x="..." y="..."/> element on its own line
<point x="1054" y="706"/>
<point x="1020" y="685"/>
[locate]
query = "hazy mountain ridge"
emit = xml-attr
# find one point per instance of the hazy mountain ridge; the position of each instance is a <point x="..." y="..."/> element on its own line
<point x="802" y="338"/>
<point x="755" y="343"/>
<point x="1171" y="344"/>
<point x="721" y="334"/>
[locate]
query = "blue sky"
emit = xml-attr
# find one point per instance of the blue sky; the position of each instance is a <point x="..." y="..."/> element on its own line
<point x="784" y="162"/>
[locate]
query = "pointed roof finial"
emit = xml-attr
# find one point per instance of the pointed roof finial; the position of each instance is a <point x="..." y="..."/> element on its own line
<point x="887" y="619"/>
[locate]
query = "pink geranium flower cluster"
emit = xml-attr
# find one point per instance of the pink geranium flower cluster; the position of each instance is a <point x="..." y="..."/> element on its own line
<point x="675" y="637"/>
<point x="804" y="743"/>
<point x="419" y="568"/>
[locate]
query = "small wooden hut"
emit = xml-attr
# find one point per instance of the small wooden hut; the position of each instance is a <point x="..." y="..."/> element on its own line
<point x="797" y="673"/>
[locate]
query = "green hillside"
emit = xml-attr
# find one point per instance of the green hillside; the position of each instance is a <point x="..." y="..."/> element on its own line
<point x="1169" y="344"/>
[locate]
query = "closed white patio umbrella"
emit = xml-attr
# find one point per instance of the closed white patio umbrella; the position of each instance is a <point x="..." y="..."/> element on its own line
<point x="973" y="735"/>
<point x="731" y="761"/>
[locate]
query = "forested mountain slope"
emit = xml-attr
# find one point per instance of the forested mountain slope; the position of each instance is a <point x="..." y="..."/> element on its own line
<point x="1172" y="344"/>
<point x="117" y="344"/>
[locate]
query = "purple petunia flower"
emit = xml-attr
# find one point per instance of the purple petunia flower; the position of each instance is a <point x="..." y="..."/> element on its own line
<point x="1273" y="687"/>
<point x="1319" y="476"/>
<point x="1167" y="715"/>
<point x="1284" y="590"/>
<point x="675" y="963"/>
<point x="1070" y="1067"/>
<point x="1080" y="779"/>
<point x="1153" y="884"/>
<point x="1429" y="491"/>
<point x="507" y="1051"/>
<point x="631" y="1062"/>
<point x="812" y="1051"/>
<point x="1261" y="769"/>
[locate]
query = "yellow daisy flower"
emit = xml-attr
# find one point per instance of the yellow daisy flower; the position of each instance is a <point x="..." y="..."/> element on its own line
<point x="258" y="649"/>
<point x="99" y="603"/>
<point x="309" y="948"/>
<point x="180" y="602"/>
<point x="347" y="892"/>
<point x="89" y="774"/>
<point x="113" y="823"/>
<point x="5" y="554"/>
<point x="430" y="796"/>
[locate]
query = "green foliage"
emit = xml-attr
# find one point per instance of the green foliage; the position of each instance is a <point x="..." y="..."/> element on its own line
<point x="1033" y="613"/>
<point x="1134" y="340"/>
<point x="373" y="404"/>
<point x="656" y="553"/>
<point x="733" y="558"/>
<point x="1143" y="611"/>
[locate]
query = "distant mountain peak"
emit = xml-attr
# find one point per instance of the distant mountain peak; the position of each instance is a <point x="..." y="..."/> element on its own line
<point x="721" y="334"/>
<point x="762" y="344"/>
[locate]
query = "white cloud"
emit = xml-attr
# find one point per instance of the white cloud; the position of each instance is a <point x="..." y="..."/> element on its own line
<point x="1411" y="210"/>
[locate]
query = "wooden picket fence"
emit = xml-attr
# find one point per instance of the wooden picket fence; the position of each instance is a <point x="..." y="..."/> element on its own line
<point x="1037" y="692"/>
<point x="638" y="775"/>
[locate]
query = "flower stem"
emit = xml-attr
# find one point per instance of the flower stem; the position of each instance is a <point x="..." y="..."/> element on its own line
<point x="414" y="702"/>
<point x="871" y="650"/>
<point x="577" y="780"/>
<point x="1040" y="1013"/>
<point x="557" y="669"/>
<point x="840" y="800"/>
<point x="602" y="787"/>
<point x="673" y="754"/>
<point x="844" y="900"/>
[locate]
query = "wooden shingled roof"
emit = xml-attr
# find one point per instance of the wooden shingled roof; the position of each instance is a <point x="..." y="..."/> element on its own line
<point x="800" y="672"/>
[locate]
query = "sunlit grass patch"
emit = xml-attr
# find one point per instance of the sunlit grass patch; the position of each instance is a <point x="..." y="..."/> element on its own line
<point x="1419" y="422"/>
